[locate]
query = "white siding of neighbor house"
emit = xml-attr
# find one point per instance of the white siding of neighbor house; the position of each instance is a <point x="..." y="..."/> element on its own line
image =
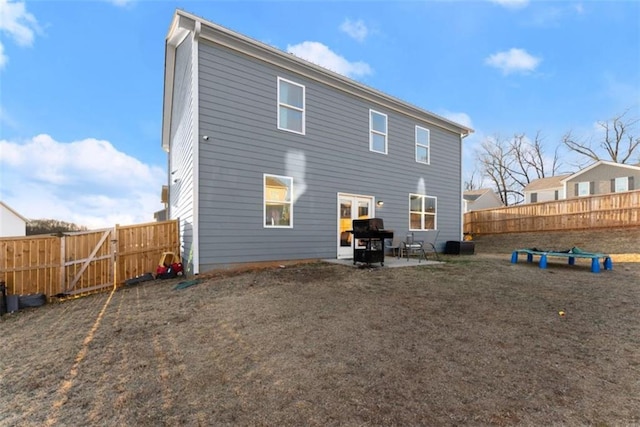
<point x="11" y="225"/>
<point x="238" y="110"/>
<point x="181" y="153"/>
<point x="546" y="195"/>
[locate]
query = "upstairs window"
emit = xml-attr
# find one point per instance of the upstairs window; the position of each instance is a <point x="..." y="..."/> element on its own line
<point x="278" y="206"/>
<point x="377" y="132"/>
<point x="422" y="145"/>
<point x="422" y="212"/>
<point x="290" y="106"/>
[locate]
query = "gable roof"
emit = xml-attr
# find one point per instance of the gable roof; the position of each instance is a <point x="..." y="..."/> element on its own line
<point x="13" y="211"/>
<point x="472" y="195"/>
<point x="183" y="23"/>
<point x="599" y="163"/>
<point x="547" y="183"/>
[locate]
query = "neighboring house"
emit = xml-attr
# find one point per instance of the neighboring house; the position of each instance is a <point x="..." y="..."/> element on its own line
<point x="484" y="198"/>
<point x="545" y="189"/>
<point x="161" y="215"/>
<point x="602" y="177"/>
<point x="11" y="222"/>
<point x="271" y="157"/>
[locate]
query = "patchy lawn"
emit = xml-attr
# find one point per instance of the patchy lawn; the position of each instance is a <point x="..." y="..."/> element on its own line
<point x="477" y="340"/>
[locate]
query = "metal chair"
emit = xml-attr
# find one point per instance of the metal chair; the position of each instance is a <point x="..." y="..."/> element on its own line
<point x="430" y="242"/>
<point x="393" y="246"/>
<point x="411" y="246"/>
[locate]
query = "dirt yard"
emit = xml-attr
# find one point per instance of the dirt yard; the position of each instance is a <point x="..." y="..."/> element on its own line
<point x="474" y="341"/>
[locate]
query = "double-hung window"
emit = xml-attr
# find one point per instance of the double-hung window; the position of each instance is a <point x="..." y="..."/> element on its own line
<point x="584" y="188"/>
<point x="290" y="106"/>
<point x="278" y="205"/>
<point x="377" y="132"/>
<point x="621" y="184"/>
<point x="422" y="145"/>
<point x="422" y="212"/>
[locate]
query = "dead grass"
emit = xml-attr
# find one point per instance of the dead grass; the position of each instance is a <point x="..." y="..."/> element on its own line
<point x="476" y="341"/>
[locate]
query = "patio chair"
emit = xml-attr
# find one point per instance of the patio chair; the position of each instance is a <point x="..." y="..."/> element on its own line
<point x="393" y="246"/>
<point x="411" y="246"/>
<point x="430" y="242"/>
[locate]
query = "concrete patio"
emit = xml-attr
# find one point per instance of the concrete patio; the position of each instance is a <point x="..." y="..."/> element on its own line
<point x="389" y="262"/>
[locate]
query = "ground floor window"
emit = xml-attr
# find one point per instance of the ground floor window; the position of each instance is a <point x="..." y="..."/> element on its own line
<point x="422" y="212"/>
<point x="278" y="191"/>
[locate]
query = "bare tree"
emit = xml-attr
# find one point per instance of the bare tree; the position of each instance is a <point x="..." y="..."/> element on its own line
<point x="512" y="164"/>
<point x="497" y="161"/>
<point x="619" y="141"/>
<point x="474" y="181"/>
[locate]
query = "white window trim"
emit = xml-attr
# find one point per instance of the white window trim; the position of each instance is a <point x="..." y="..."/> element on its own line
<point x="292" y="107"/>
<point x="422" y="213"/>
<point x="427" y="146"/>
<point x="264" y="201"/>
<point x="372" y="132"/>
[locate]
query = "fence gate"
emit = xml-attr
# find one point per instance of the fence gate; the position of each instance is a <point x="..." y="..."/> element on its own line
<point x="88" y="261"/>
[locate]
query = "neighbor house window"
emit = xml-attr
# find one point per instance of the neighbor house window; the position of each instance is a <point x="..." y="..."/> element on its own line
<point x="290" y="106"/>
<point x="278" y="206"/>
<point x="422" y="212"/>
<point x="583" y="189"/>
<point x="377" y="132"/>
<point x="422" y="145"/>
<point x="534" y="197"/>
<point x="621" y="184"/>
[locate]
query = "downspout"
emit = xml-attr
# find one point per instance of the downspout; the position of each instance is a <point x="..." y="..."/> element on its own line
<point x="195" y="245"/>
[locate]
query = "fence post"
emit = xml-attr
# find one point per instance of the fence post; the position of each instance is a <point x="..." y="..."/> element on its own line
<point x="114" y="255"/>
<point x="63" y="265"/>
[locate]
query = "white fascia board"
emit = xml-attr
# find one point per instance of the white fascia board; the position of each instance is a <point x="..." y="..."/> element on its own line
<point x="178" y="31"/>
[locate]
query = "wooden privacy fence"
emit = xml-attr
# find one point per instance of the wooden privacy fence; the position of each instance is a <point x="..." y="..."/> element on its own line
<point x="602" y="211"/>
<point x="82" y="262"/>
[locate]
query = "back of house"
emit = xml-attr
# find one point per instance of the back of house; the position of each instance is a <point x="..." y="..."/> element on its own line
<point x="272" y="157"/>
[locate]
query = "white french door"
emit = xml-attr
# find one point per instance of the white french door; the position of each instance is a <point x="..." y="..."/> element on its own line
<point x="351" y="207"/>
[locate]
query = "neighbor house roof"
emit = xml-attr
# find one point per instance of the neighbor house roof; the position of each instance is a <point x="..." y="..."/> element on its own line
<point x="184" y="23"/>
<point x="546" y="183"/>
<point x="472" y="195"/>
<point x="598" y="163"/>
<point x="13" y="211"/>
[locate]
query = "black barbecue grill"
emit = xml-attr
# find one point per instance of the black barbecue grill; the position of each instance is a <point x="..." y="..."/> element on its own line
<point x="368" y="236"/>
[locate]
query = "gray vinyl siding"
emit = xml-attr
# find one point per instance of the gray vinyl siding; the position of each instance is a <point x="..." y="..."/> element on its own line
<point x="238" y="110"/>
<point x="181" y="180"/>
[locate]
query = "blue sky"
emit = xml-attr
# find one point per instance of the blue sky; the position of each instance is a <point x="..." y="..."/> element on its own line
<point x="81" y="82"/>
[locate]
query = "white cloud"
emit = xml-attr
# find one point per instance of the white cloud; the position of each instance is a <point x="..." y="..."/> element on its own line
<point x="121" y="3"/>
<point x="19" y="24"/>
<point x="321" y="55"/>
<point x="513" y="61"/>
<point x="460" y="118"/>
<point x="88" y="182"/>
<point x="3" y="57"/>
<point x="355" y="29"/>
<point x="511" y="4"/>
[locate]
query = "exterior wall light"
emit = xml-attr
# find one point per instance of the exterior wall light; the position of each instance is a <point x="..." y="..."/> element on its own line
<point x="380" y="203"/>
